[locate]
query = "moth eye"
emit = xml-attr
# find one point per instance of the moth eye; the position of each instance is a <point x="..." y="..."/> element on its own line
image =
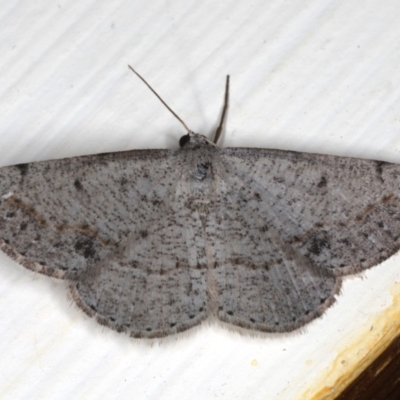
<point x="184" y="140"/>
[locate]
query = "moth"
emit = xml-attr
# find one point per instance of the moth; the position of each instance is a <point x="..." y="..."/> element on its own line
<point x="153" y="242"/>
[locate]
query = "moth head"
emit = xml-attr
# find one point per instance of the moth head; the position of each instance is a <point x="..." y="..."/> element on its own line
<point x="194" y="140"/>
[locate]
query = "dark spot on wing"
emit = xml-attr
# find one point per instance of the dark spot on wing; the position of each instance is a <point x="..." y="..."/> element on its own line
<point x="279" y="179"/>
<point x="143" y="234"/>
<point x="257" y="196"/>
<point x="322" y="182"/>
<point x="78" y="184"/>
<point x="379" y="167"/>
<point x="23" y="168"/>
<point x="318" y="244"/>
<point x="345" y="241"/>
<point x="85" y="247"/>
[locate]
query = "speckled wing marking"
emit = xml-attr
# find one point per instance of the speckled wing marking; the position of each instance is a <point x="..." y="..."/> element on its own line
<point x="156" y="282"/>
<point x="60" y="217"/>
<point x="77" y="218"/>
<point x="288" y="225"/>
<point x="152" y="242"/>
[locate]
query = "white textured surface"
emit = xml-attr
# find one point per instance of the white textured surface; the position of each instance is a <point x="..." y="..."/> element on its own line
<point x="318" y="76"/>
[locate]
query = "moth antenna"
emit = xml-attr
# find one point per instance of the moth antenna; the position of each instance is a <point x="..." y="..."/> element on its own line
<point x="162" y="101"/>
<point x="221" y="122"/>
